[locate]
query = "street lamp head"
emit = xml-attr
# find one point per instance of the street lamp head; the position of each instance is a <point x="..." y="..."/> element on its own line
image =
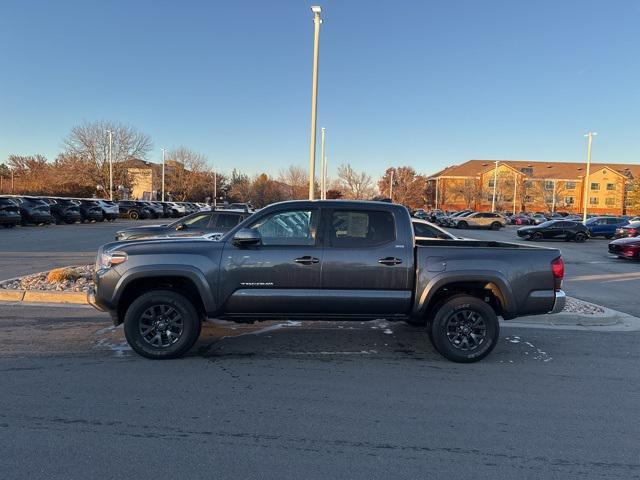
<point x="316" y="9"/>
<point x="593" y="134"/>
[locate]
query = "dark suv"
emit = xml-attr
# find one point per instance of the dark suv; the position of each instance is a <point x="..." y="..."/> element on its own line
<point x="64" y="210"/>
<point x="33" y="210"/>
<point x="90" y="211"/>
<point x="9" y="212"/>
<point x="133" y="210"/>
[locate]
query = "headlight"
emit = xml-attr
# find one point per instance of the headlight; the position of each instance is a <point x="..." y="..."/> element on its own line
<point x="109" y="259"/>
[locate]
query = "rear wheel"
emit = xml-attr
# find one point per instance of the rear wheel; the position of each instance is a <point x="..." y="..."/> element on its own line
<point x="495" y="226"/>
<point x="134" y="215"/>
<point x="608" y="237"/>
<point x="162" y="324"/>
<point x="537" y="236"/>
<point x="464" y="329"/>
<point x="462" y="224"/>
<point x="579" y="237"/>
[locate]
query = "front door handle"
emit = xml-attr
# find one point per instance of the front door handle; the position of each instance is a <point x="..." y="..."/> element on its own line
<point x="390" y="261"/>
<point x="306" y="260"/>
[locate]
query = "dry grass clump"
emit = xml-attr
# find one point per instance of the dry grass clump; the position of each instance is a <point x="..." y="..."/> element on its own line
<point x="62" y="275"/>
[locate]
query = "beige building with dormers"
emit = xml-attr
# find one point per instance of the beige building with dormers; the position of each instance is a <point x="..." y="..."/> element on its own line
<point x="534" y="186"/>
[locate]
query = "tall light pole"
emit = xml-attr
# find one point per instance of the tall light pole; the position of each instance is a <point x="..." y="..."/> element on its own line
<point x="437" y="181"/>
<point x="314" y="98"/>
<point x="495" y="182"/>
<point x="391" y="187"/>
<point x="515" y="190"/>
<point x="324" y="178"/>
<point x="215" y="188"/>
<point x="110" y="132"/>
<point x="587" y="188"/>
<point x="163" y="150"/>
<point x="323" y="160"/>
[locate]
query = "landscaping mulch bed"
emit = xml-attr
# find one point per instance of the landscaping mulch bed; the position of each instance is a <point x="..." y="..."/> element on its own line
<point x="67" y="279"/>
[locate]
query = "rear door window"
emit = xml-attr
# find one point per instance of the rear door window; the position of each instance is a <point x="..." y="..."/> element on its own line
<point x="226" y="221"/>
<point x="361" y="228"/>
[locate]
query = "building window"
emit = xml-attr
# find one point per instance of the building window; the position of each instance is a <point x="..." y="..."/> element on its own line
<point x="528" y="199"/>
<point x="595" y="186"/>
<point x="610" y="201"/>
<point x="527" y="170"/>
<point x="490" y="198"/>
<point x="611" y="186"/>
<point x="593" y="200"/>
<point x="569" y="200"/>
<point x="548" y="185"/>
<point x="491" y="183"/>
<point x="528" y="184"/>
<point x="548" y="199"/>
<point x="570" y="185"/>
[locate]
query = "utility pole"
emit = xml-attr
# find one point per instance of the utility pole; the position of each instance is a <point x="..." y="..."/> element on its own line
<point x="110" y="165"/>
<point x="495" y="182"/>
<point x="163" y="150"/>
<point x="553" y="198"/>
<point x="587" y="187"/>
<point x="12" y="181"/>
<point x="314" y="99"/>
<point x="391" y="187"/>
<point x="324" y="179"/>
<point x="215" y="189"/>
<point x="323" y="167"/>
<point x="515" y="190"/>
<point x="437" y="182"/>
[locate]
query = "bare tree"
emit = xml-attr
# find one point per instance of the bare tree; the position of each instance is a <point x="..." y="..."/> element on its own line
<point x="295" y="182"/>
<point x="354" y="185"/>
<point x="187" y="175"/>
<point x="469" y="191"/>
<point x="90" y="142"/>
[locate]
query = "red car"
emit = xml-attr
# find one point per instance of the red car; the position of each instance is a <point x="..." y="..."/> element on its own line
<point x="522" y="220"/>
<point x="626" y="248"/>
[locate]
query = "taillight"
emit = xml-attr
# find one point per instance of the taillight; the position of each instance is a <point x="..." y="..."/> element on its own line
<point x="557" y="268"/>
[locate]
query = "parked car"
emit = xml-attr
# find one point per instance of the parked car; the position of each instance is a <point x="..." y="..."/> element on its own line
<point x="522" y="220"/>
<point x="626" y="248"/>
<point x="538" y="218"/>
<point x="33" y="210"/>
<point x="133" y="210"/>
<point x="90" y="211"/>
<point x="449" y="220"/>
<point x="493" y="221"/>
<point x="198" y="223"/>
<point x="64" y="210"/>
<point x="557" y="230"/>
<point x="9" y="212"/>
<point x="324" y="260"/>
<point x="605" y="226"/>
<point x="155" y="211"/>
<point x="425" y="230"/>
<point x="110" y="210"/>
<point x="179" y="209"/>
<point x="632" y="229"/>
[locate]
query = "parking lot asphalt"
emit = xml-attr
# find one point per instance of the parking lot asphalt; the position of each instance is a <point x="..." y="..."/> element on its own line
<point x="591" y="274"/>
<point x="329" y="400"/>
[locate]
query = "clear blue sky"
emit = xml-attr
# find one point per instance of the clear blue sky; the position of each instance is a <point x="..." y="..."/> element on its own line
<point x="423" y="83"/>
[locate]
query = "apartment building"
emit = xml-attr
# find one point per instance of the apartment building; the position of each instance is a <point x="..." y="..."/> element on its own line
<point x="529" y="186"/>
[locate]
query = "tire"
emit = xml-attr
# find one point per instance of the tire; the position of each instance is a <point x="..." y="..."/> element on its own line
<point x="134" y="214"/>
<point x="454" y="344"/>
<point x="462" y="224"/>
<point x="139" y="315"/>
<point x="608" y="237"/>
<point x="495" y="226"/>
<point x="537" y="236"/>
<point x="579" y="237"/>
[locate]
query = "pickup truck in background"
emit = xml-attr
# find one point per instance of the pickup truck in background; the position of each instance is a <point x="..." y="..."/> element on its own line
<point x="342" y="260"/>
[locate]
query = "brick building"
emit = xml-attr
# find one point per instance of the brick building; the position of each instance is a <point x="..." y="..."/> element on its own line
<point x="534" y="186"/>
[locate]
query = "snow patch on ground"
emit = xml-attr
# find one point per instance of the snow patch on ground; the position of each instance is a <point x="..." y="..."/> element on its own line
<point x="118" y="349"/>
<point x="537" y="353"/>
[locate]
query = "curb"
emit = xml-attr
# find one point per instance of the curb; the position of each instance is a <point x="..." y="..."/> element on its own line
<point x="43" y="296"/>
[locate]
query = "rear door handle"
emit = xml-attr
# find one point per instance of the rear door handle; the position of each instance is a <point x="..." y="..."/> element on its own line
<point x="306" y="260"/>
<point x="390" y="261"/>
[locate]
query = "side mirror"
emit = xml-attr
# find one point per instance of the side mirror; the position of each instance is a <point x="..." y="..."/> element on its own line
<point x="247" y="237"/>
<point x="182" y="226"/>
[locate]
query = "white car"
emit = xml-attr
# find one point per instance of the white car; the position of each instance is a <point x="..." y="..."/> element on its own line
<point x="493" y="221"/>
<point x="424" y="230"/>
<point x="110" y="210"/>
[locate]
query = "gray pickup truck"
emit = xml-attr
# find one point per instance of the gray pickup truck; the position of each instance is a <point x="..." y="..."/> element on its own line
<point x="342" y="260"/>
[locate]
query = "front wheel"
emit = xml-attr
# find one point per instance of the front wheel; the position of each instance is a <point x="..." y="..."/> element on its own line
<point x="162" y="324"/>
<point x="462" y="224"/>
<point x="495" y="226"/>
<point x="580" y="237"/>
<point x="465" y="329"/>
<point x="134" y="215"/>
<point x="536" y="236"/>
